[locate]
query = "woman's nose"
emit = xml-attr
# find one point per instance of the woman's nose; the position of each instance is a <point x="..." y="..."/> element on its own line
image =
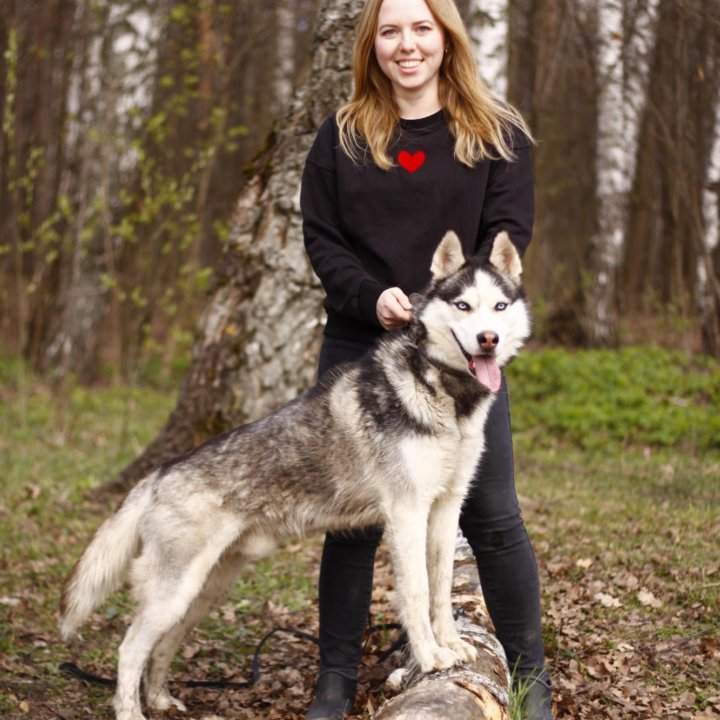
<point x="407" y="40"/>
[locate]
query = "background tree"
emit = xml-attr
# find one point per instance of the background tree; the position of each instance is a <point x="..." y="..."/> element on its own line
<point x="622" y="69"/>
<point x="551" y="79"/>
<point x="259" y="333"/>
<point x="709" y="299"/>
<point x="487" y="22"/>
<point x="126" y="128"/>
<point x="611" y="164"/>
<point x="129" y="129"/>
<point x="666" y="235"/>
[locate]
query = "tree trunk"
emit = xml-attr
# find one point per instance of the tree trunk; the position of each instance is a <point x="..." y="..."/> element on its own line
<point x="109" y="56"/>
<point x="488" y="29"/>
<point x="708" y="272"/>
<point x="82" y="297"/>
<point x="33" y="35"/>
<point x="625" y="38"/>
<point x="258" y="337"/>
<point x="666" y="241"/>
<point x="612" y="163"/>
<point x="709" y="281"/>
<point x="285" y="18"/>
<point x="551" y="65"/>
<point x="473" y="691"/>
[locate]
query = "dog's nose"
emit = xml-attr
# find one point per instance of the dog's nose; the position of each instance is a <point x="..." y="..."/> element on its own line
<point x="488" y="340"/>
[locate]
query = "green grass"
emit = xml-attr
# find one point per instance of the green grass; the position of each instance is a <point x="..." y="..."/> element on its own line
<point x="52" y="451"/>
<point x="618" y="463"/>
<point x="50" y="454"/>
<point x="634" y="396"/>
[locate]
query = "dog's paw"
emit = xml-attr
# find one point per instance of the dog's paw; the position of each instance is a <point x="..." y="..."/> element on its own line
<point x="129" y="715"/>
<point x="464" y="650"/>
<point x="437" y="658"/>
<point x="449" y="637"/>
<point x="163" y="700"/>
<point x="127" y="710"/>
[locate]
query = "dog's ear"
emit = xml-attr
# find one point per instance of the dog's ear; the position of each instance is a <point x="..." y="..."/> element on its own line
<point x="505" y="257"/>
<point x="448" y="257"/>
<point x="417" y="301"/>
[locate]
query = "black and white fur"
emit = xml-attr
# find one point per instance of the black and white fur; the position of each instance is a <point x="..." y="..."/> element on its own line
<point x="392" y="439"/>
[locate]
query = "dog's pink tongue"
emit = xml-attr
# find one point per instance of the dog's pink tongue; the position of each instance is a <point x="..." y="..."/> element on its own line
<point x="487" y="372"/>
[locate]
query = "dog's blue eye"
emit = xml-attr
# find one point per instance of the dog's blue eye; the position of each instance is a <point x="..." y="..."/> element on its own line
<point x="501" y="306"/>
<point x="462" y="306"/>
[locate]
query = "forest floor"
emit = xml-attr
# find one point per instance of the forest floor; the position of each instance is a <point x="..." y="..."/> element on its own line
<point x="626" y="536"/>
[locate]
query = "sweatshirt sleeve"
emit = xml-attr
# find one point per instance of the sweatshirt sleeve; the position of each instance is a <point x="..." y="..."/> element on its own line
<point x="509" y="200"/>
<point x="349" y="288"/>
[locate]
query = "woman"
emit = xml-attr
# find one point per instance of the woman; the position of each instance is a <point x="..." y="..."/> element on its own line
<point x="422" y="147"/>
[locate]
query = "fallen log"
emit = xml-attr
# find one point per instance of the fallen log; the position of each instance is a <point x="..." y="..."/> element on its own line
<point x="477" y="690"/>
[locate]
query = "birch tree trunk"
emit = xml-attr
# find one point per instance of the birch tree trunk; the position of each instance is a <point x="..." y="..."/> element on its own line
<point x="639" y="34"/>
<point x="473" y="691"/>
<point x="666" y="240"/>
<point x="285" y="17"/>
<point x="612" y="177"/>
<point x="117" y="50"/>
<point x="83" y="296"/>
<point x="626" y="32"/>
<point x="711" y="196"/>
<point x="259" y="334"/>
<point x="708" y="278"/>
<point x="488" y="29"/>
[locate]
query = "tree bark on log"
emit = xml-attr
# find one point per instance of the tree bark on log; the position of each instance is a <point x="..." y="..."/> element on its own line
<point x="259" y="334"/>
<point x="473" y="691"/>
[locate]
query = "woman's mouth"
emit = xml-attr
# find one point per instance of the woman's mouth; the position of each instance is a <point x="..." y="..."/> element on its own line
<point x="408" y="64"/>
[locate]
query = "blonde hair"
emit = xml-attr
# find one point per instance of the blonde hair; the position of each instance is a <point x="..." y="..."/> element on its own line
<point x="477" y="119"/>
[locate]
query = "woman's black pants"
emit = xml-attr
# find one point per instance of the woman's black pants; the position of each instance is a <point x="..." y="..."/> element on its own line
<point x="490" y="521"/>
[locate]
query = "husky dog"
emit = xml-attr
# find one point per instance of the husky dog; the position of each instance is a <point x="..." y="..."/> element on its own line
<point x="393" y="439"/>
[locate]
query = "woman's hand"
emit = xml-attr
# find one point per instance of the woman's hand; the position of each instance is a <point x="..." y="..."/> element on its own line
<point x="393" y="309"/>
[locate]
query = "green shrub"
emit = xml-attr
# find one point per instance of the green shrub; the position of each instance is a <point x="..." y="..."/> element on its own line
<point x="636" y="395"/>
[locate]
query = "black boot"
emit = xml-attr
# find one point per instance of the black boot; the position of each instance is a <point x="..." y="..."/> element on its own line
<point x="537" y="702"/>
<point x="334" y="697"/>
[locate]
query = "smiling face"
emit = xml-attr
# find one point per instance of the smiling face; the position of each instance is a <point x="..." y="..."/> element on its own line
<point x="409" y="47"/>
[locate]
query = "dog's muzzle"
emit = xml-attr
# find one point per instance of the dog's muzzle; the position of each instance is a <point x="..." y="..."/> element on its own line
<point x="483" y="366"/>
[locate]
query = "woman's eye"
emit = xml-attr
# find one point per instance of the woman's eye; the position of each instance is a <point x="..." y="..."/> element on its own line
<point x="462" y="306"/>
<point x="501" y="306"/>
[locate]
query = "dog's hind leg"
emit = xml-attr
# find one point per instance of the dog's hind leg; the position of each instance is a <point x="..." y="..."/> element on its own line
<point x="166" y="587"/>
<point x="442" y="532"/>
<point x="219" y="581"/>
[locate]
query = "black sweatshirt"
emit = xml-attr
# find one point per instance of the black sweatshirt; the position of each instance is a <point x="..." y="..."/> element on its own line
<point x="368" y="229"/>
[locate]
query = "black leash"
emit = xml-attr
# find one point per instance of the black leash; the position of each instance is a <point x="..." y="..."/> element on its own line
<point x="72" y="669"/>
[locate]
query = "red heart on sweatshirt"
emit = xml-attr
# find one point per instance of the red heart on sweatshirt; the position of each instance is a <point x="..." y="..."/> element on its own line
<point x="411" y="162"/>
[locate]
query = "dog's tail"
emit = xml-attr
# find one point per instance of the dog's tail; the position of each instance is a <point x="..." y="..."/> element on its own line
<point x="104" y="562"/>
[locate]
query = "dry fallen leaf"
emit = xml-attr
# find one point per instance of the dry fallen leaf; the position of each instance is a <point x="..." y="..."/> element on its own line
<point x="607" y="601"/>
<point x="646" y="598"/>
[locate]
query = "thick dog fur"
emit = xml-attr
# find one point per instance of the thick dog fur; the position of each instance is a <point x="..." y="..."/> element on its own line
<point x="394" y="438"/>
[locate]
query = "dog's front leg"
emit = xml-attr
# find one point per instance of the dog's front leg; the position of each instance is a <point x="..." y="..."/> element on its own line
<point x="442" y="532"/>
<point x="406" y="531"/>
